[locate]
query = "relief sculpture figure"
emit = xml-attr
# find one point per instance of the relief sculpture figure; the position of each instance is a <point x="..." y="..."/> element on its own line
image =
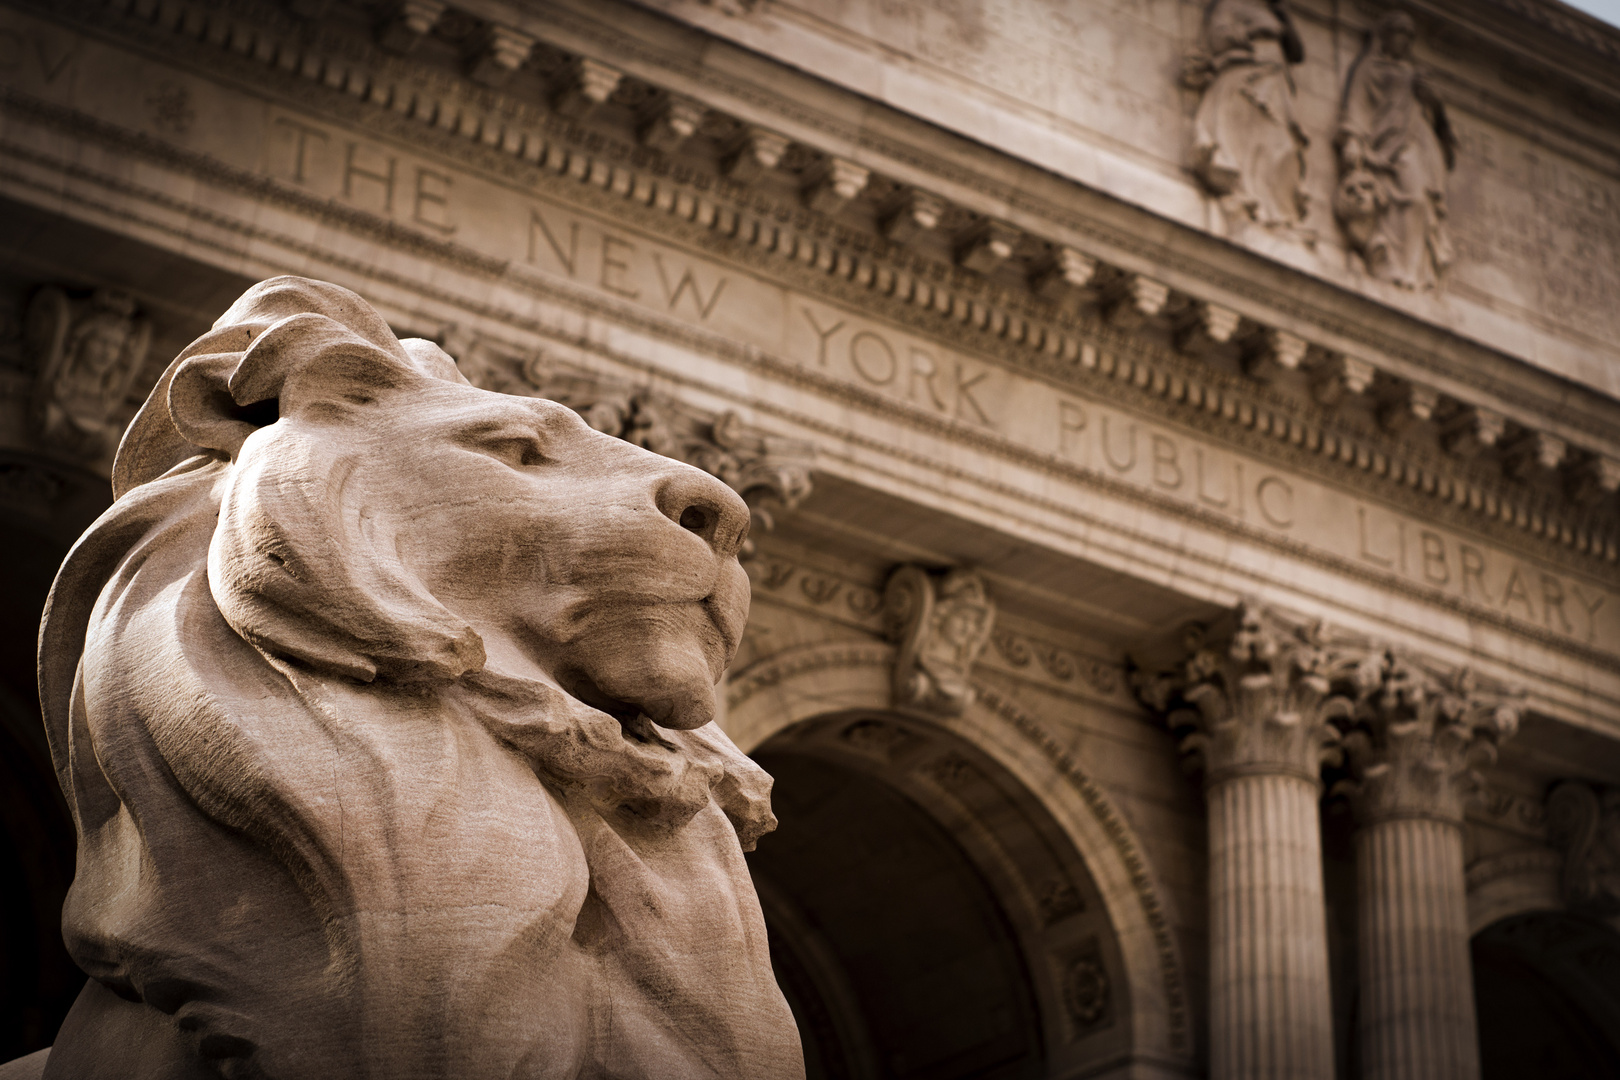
<point x="1395" y="147"/>
<point x="1248" y="147"/>
<point x="383" y="706"/>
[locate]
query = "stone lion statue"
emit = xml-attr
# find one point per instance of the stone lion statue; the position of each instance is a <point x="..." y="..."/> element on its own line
<point x="383" y="707"/>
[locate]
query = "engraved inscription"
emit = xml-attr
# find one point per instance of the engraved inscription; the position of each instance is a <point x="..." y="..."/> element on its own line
<point x="932" y="380"/>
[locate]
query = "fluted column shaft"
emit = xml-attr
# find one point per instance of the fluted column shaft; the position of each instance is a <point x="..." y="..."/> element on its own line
<point x="1270" y="1011"/>
<point x="1254" y="703"/>
<point x="1416" y="742"/>
<point x="1417" y="1004"/>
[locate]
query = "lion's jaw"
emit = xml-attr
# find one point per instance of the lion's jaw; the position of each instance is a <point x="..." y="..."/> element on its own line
<point x="630" y="599"/>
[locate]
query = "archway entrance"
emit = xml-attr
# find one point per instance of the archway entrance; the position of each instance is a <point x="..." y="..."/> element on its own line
<point x="928" y="918"/>
<point x="1547" y="992"/>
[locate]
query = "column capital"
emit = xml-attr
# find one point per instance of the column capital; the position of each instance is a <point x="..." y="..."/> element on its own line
<point x="1255" y="694"/>
<point x="1417" y="738"/>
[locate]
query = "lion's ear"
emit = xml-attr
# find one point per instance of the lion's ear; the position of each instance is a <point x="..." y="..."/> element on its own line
<point x="202" y="409"/>
<point x="310" y="360"/>
<point x="217" y="400"/>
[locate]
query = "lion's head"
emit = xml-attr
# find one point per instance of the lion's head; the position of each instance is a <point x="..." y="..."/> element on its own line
<point x="421" y="648"/>
<point x="396" y="521"/>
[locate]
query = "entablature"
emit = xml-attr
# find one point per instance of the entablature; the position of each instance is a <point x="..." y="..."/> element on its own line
<point x="1231" y="342"/>
<point x="883" y="259"/>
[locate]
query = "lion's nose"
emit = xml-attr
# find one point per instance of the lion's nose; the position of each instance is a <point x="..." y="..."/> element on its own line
<point x="700" y="504"/>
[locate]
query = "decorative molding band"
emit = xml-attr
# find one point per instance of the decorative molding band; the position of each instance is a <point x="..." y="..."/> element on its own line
<point x="745" y="356"/>
<point x="1029" y="658"/>
<point x="1076" y="338"/>
<point x="1530" y="861"/>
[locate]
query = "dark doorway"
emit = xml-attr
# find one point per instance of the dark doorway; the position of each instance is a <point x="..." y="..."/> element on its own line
<point x="928" y="921"/>
<point x="38" y="981"/>
<point x="1547" y="992"/>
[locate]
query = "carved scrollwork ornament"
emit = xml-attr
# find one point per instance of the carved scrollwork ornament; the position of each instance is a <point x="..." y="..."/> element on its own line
<point x="87" y="354"/>
<point x="1416" y="740"/>
<point x="1259" y="695"/>
<point x="1584" y="825"/>
<point x="941" y="623"/>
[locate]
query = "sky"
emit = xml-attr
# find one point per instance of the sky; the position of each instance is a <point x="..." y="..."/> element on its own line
<point x="1607" y="10"/>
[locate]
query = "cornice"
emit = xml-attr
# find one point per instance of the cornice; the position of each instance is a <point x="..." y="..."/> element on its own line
<point x="601" y="170"/>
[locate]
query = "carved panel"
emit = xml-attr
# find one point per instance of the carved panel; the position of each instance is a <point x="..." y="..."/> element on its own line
<point x="1087" y="990"/>
<point x="1395" y="148"/>
<point x="86" y="355"/>
<point x="942" y="623"/>
<point x="1584" y="824"/>
<point x="1248" y="147"/>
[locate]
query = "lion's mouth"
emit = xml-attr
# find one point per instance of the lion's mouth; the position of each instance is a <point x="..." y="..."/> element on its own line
<point x="630" y="715"/>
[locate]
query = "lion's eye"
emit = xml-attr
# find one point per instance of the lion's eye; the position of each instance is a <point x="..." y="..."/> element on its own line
<point x="520" y="451"/>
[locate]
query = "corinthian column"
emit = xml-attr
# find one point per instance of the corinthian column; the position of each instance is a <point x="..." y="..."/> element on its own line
<point x="1414" y="751"/>
<point x="1256" y="707"/>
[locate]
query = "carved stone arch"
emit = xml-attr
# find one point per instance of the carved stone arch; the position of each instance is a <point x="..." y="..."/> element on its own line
<point x="1513" y="883"/>
<point x="844" y="687"/>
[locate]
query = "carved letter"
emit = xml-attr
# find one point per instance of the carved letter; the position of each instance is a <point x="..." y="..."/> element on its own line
<point x="567" y="258"/>
<point x="1281" y="516"/>
<point x="1130" y="461"/>
<point x="1516" y="591"/>
<point x="433" y="203"/>
<point x="687" y="282"/>
<point x="860" y="362"/>
<point x="613" y="267"/>
<point x="302" y="133"/>
<point x="1591" y="608"/>
<point x="822" y="335"/>
<point x="964" y="392"/>
<point x="353" y="171"/>
<point x="1166" y="470"/>
<point x="1203" y="494"/>
<point x="1366" y="552"/>
<point x="1071" y="422"/>
<point x="1473" y="569"/>
<point x="1435" y="570"/>
<point x="1552" y="599"/>
<point x="923" y="365"/>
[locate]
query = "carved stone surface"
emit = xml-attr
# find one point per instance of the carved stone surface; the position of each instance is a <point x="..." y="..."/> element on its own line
<point x="1248" y="148"/>
<point x="1395" y="147"/>
<point x="1584" y="825"/>
<point x="1417" y="740"/>
<point x="1258" y="699"/>
<point x="942" y="623"/>
<point x="772" y="474"/>
<point x="1415" y="745"/>
<point x="1087" y="993"/>
<point x="382" y="705"/>
<point x="86" y="355"/>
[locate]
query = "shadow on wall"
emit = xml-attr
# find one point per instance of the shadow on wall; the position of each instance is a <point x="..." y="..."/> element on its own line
<point x="1547" y="992"/>
<point x="891" y="949"/>
<point x="38" y="981"/>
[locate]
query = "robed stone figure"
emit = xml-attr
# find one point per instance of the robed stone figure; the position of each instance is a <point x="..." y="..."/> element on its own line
<point x="1395" y="147"/>
<point x="1247" y="146"/>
